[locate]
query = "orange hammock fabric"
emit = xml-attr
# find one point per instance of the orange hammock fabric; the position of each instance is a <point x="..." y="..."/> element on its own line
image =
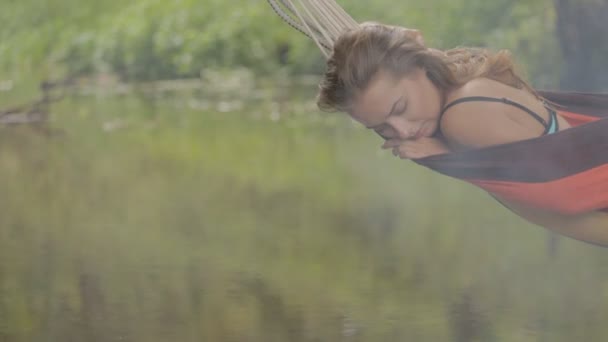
<point x="566" y="172"/>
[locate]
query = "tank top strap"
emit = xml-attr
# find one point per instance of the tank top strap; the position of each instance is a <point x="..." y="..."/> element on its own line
<point x="496" y="99"/>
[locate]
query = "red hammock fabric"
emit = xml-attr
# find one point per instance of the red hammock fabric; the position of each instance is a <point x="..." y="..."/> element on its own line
<point x="565" y="171"/>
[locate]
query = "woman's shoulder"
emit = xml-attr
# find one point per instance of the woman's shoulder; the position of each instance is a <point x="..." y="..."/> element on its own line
<point x="475" y="115"/>
<point x="480" y="86"/>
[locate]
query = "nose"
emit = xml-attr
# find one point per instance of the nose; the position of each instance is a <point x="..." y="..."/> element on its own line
<point x="401" y="128"/>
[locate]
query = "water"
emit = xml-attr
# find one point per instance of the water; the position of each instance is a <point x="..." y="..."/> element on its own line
<point x="216" y="218"/>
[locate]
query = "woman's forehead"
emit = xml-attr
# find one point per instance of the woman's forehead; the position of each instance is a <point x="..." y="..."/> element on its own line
<point x="379" y="96"/>
<point x="385" y="87"/>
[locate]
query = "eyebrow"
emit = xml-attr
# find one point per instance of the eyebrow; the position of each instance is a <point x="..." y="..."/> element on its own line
<point x="387" y="115"/>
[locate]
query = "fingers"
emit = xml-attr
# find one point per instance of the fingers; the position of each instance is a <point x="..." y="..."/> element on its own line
<point x="415" y="149"/>
<point x="405" y="150"/>
<point x="401" y="152"/>
<point x="391" y="143"/>
<point x="399" y="147"/>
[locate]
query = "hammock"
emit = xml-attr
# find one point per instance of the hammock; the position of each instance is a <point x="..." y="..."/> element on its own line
<point x="566" y="172"/>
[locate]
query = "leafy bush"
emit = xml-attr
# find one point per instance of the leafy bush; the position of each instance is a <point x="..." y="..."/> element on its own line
<point x="151" y="39"/>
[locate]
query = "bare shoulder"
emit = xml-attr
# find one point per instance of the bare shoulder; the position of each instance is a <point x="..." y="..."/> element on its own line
<point x="479" y="123"/>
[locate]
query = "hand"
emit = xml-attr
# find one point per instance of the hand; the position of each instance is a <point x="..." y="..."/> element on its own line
<point x="416" y="149"/>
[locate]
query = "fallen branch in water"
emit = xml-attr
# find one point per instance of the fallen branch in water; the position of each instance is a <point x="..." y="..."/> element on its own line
<point x="38" y="110"/>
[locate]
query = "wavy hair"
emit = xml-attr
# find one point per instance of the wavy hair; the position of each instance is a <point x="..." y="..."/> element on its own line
<point x="359" y="54"/>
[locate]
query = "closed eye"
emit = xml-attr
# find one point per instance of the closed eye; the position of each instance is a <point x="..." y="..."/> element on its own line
<point x="386" y="131"/>
<point x="402" y="110"/>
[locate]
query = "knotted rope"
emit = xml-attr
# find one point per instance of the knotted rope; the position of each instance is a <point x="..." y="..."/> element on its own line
<point x="323" y="21"/>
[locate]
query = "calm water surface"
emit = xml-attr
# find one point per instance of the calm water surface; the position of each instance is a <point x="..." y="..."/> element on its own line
<point x="194" y="219"/>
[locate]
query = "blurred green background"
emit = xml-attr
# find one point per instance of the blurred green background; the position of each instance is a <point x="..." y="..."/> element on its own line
<point x="186" y="188"/>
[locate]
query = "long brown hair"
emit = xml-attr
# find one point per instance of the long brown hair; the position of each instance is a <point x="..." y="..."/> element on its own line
<point x="360" y="53"/>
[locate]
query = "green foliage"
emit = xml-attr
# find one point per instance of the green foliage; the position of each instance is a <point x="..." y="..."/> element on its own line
<point x="151" y="39"/>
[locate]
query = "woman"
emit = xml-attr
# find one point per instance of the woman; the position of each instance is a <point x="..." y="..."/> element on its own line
<point x="425" y="102"/>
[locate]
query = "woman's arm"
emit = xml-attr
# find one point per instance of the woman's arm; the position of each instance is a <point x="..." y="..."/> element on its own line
<point x="479" y="124"/>
<point x="590" y="227"/>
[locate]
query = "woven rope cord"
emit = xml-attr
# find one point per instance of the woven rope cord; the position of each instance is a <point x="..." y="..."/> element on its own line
<point x="323" y="21"/>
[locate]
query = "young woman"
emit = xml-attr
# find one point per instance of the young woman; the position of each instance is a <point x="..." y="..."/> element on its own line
<point x="424" y="102"/>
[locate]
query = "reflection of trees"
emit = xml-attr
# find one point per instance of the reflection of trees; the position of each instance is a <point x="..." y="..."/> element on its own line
<point x="275" y="314"/>
<point x="584" y="43"/>
<point x="467" y="321"/>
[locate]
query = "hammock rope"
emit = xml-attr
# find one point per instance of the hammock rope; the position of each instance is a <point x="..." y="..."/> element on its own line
<point x="323" y="21"/>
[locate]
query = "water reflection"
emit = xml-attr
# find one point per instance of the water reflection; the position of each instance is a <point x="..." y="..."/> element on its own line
<point x="187" y="223"/>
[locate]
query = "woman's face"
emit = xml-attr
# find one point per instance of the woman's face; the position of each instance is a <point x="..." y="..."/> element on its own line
<point x="406" y="108"/>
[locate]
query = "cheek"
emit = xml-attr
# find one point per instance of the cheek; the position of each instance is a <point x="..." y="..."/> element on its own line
<point x="432" y="102"/>
<point x="432" y="108"/>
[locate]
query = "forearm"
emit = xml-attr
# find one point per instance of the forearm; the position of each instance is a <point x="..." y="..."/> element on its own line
<point x="590" y="227"/>
<point x="416" y="148"/>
